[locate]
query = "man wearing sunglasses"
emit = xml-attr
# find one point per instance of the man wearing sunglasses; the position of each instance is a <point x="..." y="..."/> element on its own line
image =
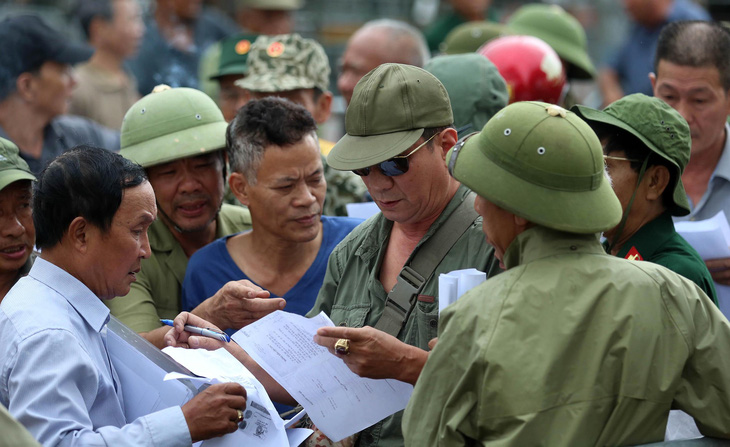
<point x="399" y="129"/>
<point x="646" y="145"/>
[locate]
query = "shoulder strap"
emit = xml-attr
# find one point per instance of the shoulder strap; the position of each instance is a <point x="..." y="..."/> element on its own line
<point x="422" y="264"/>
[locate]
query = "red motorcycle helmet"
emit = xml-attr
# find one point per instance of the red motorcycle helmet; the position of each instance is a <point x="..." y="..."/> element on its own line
<point x="532" y="70"/>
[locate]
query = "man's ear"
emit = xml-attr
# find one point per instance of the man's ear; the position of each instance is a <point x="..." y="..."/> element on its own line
<point x="448" y="138"/>
<point x="323" y="108"/>
<point x="652" y="79"/>
<point x="239" y="187"/>
<point x="24" y="85"/>
<point x="78" y="234"/>
<point x="657" y="180"/>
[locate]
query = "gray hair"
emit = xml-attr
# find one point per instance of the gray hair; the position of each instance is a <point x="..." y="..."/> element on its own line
<point x="262" y="123"/>
<point x="404" y="37"/>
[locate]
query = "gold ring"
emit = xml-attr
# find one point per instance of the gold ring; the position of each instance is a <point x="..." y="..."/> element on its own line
<point x="240" y="415"/>
<point x="342" y="347"/>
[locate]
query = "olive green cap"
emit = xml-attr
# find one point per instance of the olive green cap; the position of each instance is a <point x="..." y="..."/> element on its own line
<point x="468" y="37"/>
<point x="12" y="167"/>
<point x="656" y="124"/>
<point x="234" y="54"/>
<point x="278" y="5"/>
<point x="560" y="30"/>
<point x="390" y="108"/>
<point x="286" y="62"/>
<point x="172" y="123"/>
<point x="476" y="89"/>
<point x="543" y="163"/>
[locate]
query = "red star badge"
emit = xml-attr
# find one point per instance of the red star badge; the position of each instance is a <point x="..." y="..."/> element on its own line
<point x="634" y="255"/>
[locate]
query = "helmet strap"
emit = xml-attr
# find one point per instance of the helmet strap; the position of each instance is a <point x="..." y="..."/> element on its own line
<point x="625" y="216"/>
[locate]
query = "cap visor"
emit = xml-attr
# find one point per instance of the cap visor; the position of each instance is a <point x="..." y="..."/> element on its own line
<point x="353" y="152"/>
<point x="574" y="212"/>
<point x="74" y="53"/>
<point x="13" y="175"/>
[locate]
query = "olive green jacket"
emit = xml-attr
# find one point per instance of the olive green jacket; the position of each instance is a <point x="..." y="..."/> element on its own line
<point x="571" y="346"/>
<point x="352" y="294"/>
<point x="156" y="293"/>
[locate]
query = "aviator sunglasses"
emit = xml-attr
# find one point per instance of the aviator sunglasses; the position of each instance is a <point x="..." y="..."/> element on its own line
<point x="395" y="166"/>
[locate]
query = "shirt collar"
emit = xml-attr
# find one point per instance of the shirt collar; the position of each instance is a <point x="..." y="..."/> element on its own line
<point x="80" y="297"/>
<point x="650" y="237"/>
<point x="540" y="242"/>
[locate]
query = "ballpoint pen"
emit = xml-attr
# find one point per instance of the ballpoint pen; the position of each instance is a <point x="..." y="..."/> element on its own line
<point x="205" y="332"/>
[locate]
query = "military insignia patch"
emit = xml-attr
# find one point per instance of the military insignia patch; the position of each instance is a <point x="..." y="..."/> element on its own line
<point x="276" y="49"/>
<point x="633" y="255"/>
<point x="242" y="46"/>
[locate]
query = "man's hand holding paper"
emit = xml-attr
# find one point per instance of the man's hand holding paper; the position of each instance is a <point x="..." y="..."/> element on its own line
<point x="237" y="304"/>
<point x="720" y="270"/>
<point x="375" y="354"/>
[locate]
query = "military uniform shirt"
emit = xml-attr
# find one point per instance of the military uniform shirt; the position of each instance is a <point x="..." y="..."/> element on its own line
<point x="157" y="292"/>
<point x="572" y="347"/>
<point x="352" y="294"/>
<point x="658" y="242"/>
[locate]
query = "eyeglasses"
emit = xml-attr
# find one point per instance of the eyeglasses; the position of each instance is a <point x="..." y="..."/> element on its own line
<point x="395" y="166"/>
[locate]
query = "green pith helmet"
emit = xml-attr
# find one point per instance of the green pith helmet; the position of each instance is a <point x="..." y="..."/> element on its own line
<point x="172" y="123"/>
<point x="12" y="167"/>
<point x="234" y="54"/>
<point x="543" y="163"/>
<point x="286" y="62"/>
<point x="476" y="89"/>
<point x="656" y="124"/>
<point x="560" y="30"/>
<point x="390" y="108"/>
<point x="468" y="37"/>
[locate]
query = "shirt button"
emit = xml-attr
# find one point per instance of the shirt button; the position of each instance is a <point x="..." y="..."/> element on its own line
<point x="433" y="323"/>
<point x="573" y="247"/>
<point x="343" y="324"/>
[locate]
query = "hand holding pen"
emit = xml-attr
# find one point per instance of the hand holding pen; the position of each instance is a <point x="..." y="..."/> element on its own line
<point x="189" y="330"/>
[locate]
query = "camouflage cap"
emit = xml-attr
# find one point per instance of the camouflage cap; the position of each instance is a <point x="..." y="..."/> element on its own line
<point x="286" y="62"/>
<point x="656" y="124"/>
<point x="543" y="163"/>
<point x="276" y="5"/>
<point x="390" y="108"/>
<point x="12" y="167"/>
<point x="234" y="54"/>
<point x="172" y="123"/>
<point x="476" y="89"/>
<point x="560" y="30"/>
<point x="468" y="37"/>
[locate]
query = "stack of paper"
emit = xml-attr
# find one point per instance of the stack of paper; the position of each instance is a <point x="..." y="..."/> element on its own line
<point x="338" y="401"/>
<point x="711" y="239"/>
<point x="454" y="284"/>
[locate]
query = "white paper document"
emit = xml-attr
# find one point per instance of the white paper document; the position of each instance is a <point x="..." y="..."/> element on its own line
<point x="338" y="401"/>
<point x="454" y="284"/>
<point x="711" y="239"/>
<point x="261" y="425"/>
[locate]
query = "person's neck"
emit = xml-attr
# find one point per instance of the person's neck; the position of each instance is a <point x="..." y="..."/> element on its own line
<point x="107" y="61"/>
<point x="280" y="255"/>
<point x="633" y="225"/>
<point x="414" y="231"/>
<point x="192" y="241"/>
<point x="697" y="174"/>
<point x="23" y="125"/>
